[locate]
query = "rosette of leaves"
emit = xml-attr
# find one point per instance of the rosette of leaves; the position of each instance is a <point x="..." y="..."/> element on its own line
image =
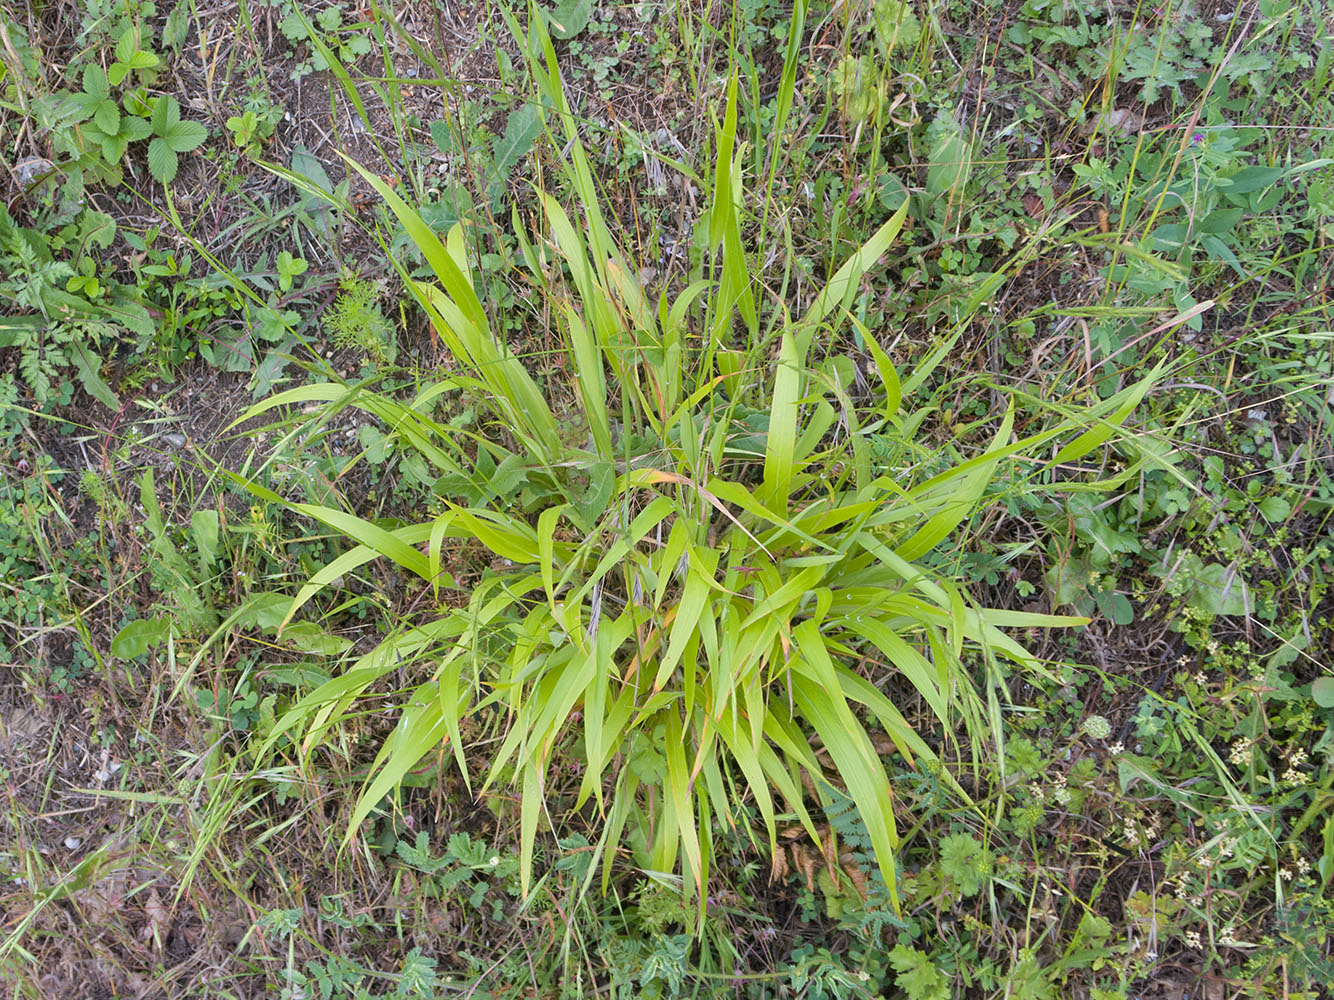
<point x="693" y="600"/>
<point x="171" y="136"/>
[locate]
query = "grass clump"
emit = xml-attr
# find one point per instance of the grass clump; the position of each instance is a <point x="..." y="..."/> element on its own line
<point x="710" y="568"/>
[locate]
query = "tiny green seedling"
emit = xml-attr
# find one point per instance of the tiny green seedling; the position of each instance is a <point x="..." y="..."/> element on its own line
<point x="130" y="58"/>
<point x="249" y="130"/>
<point x="290" y="267"/>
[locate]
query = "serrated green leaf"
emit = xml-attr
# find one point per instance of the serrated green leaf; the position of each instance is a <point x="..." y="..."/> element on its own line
<point x="134" y="128"/>
<point x="107" y="117"/>
<point x="522" y="128"/>
<point x="1275" y="509"/>
<point x="126" y="44"/>
<point x="166" y="113"/>
<point x="142" y="60"/>
<point x="264" y="611"/>
<point x="136" y="637"/>
<point x="161" y="160"/>
<point x="443" y="137"/>
<point x="95" y="82"/>
<point x="896" y="26"/>
<point x="185" y="136"/>
<point x="99" y="228"/>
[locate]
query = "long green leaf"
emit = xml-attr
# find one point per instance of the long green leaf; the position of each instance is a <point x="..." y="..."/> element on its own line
<point x="819" y="696"/>
<point x="847" y="277"/>
<point x="420" y="729"/>
<point x="781" y="441"/>
<point x="965" y="499"/>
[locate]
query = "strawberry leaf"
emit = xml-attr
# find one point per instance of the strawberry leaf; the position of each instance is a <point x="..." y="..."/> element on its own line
<point x="134" y="128"/>
<point x="161" y="160"/>
<point x="185" y="136"/>
<point x="166" y="115"/>
<point x="107" y="117"/>
<point x="142" y="60"/>
<point x="95" y="83"/>
<point x="127" y="45"/>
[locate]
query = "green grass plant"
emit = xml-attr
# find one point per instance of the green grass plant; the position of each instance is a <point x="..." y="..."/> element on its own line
<point x="695" y="566"/>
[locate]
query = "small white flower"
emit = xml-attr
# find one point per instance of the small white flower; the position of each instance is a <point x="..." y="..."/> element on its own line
<point x="495" y="860"/>
<point x="1240" y="753"/>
